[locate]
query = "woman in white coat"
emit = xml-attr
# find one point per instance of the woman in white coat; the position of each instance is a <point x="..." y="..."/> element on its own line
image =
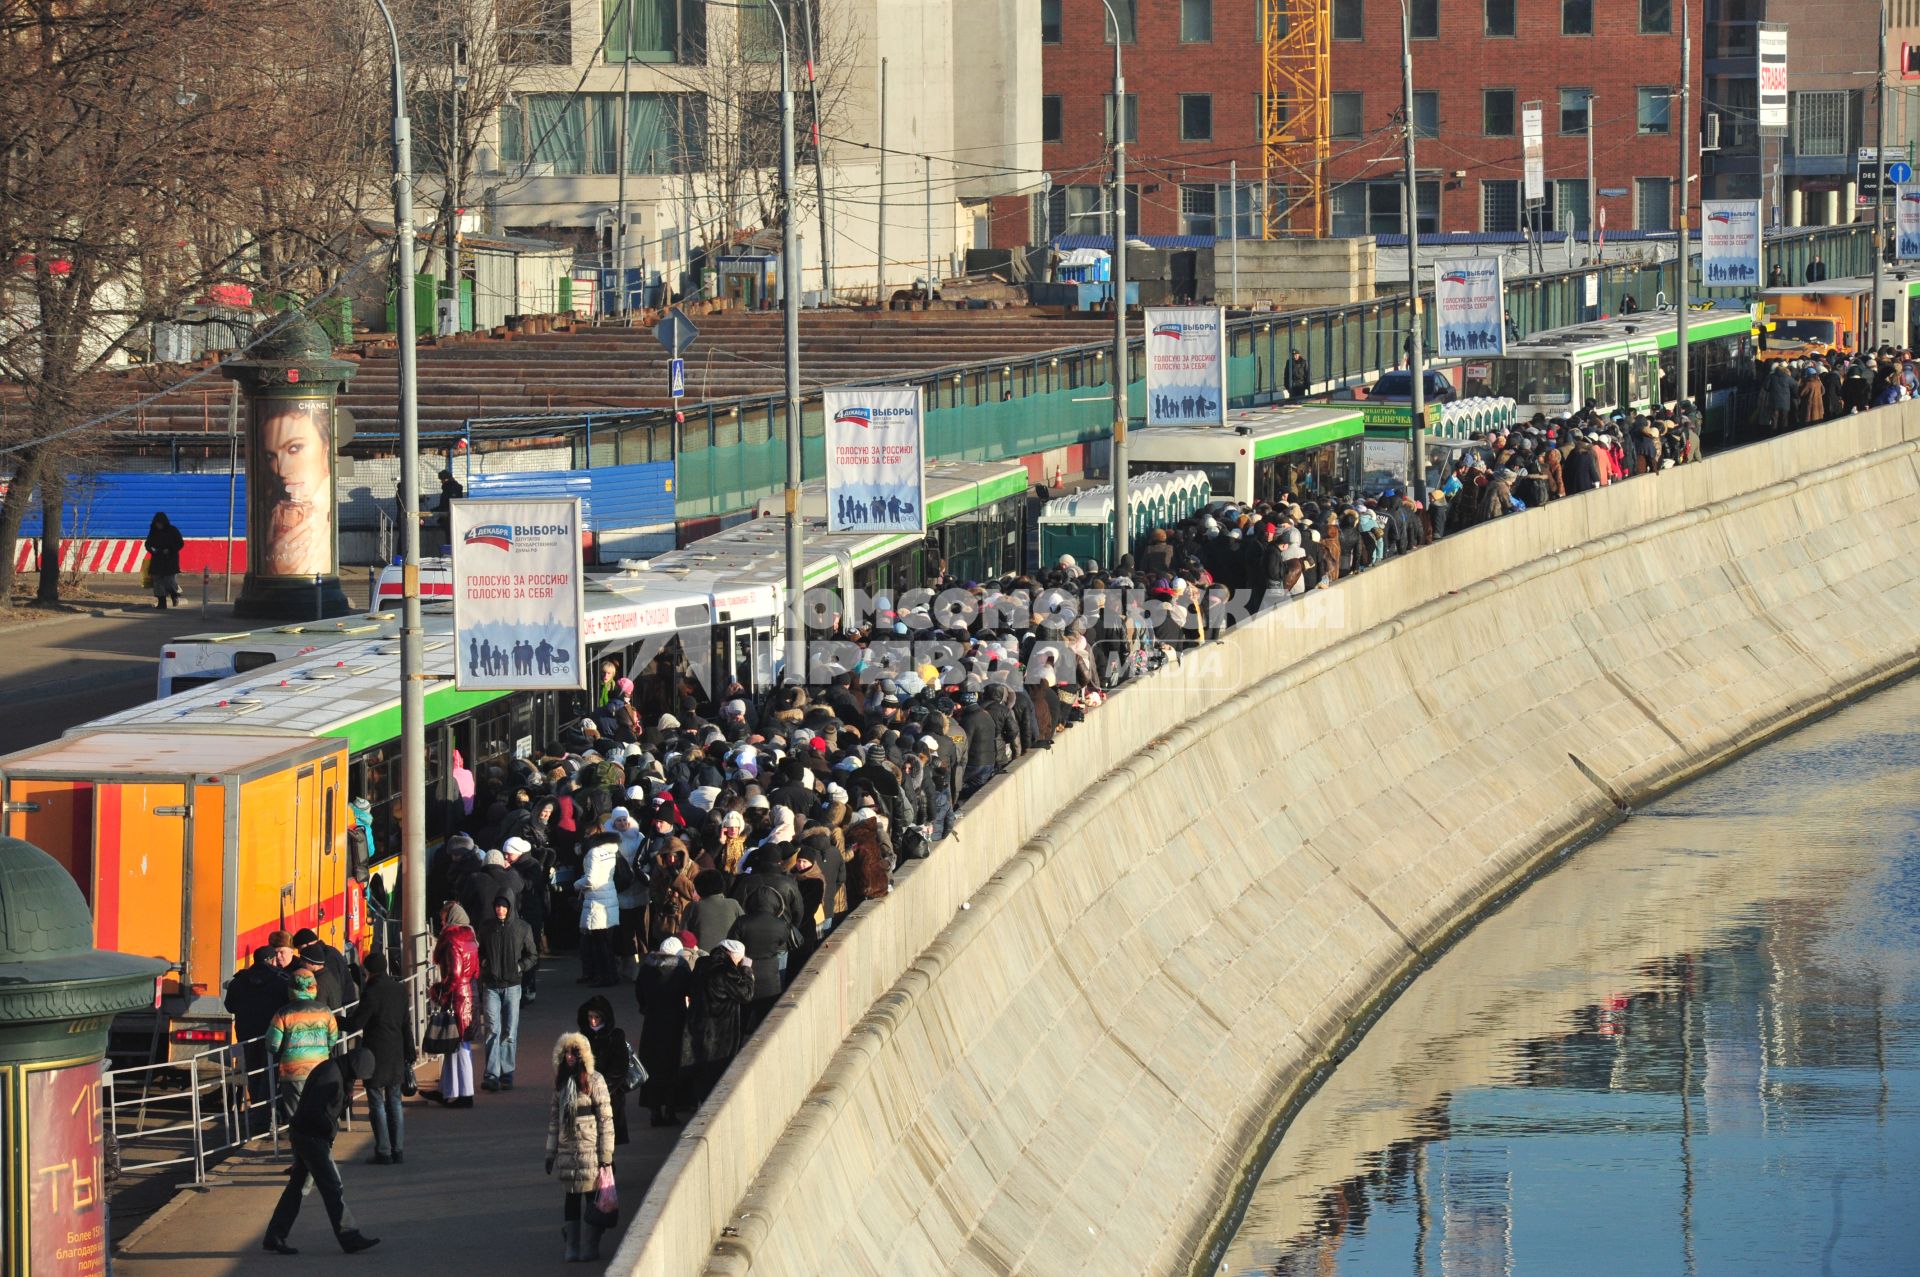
<point x="629" y="943"/>
<point x="599" y="909"/>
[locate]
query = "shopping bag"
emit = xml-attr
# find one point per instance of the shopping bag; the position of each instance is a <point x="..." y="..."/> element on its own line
<point x="603" y="1207"/>
<point x="443" y="1032"/>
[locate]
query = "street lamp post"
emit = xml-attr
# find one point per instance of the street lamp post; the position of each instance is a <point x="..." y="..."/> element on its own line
<point x="1118" y="373"/>
<point x="1416" y="352"/>
<point x="413" y="717"/>
<point x="1684" y="259"/>
<point x="1872" y="334"/>
<point x="796" y="644"/>
<point x="819" y="163"/>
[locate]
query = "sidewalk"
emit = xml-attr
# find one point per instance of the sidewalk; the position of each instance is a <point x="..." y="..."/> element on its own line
<point x="471" y="1196"/>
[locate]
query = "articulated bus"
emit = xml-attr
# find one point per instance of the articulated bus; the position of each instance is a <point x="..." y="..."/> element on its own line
<point x="1625" y="363"/>
<point x="1260" y="452"/>
<point x="198" y="824"/>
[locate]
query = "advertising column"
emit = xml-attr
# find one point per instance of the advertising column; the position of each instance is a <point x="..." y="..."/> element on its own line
<point x="517" y="596"/>
<point x="1186" y="366"/>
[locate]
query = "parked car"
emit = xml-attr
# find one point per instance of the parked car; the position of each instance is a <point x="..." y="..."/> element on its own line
<point x="1397" y="386"/>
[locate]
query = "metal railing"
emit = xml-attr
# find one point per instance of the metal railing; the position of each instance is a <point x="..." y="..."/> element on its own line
<point x="214" y="1110"/>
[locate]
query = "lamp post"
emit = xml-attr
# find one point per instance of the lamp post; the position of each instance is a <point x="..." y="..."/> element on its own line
<point x="413" y="715"/>
<point x="1880" y="188"/>
<point x="1684" y="260"/>
<point x="1118" y="373"/>
<point x="796" y="644"/>
<point x="819" y="163"/>
<point x="1416" y="353"/>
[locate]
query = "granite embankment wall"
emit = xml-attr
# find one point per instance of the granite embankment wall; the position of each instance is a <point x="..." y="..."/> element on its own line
<point x="1179" y="914"/>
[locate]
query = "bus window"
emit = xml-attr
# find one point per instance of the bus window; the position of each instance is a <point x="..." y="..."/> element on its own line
<point x="1534" y="379"/>
<point x="1593" y="386"/>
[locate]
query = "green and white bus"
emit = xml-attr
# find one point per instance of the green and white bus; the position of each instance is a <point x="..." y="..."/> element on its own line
<point x="1260" y="452"/>
<point x="1626" y="363"/>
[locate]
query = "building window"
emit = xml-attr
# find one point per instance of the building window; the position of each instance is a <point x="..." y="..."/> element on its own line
<point x="1500" y="206"/>
<point x="759" y="30"/>
<point x="1574" y="105"/>
<point x="1653" y="203"/>
<point x="1373" y="208"/>
<point x="1349" y="109"/>
<point x="1132" y="117"/>
<point x="650" y="31"/>
<point x="1820" y="122"/>
<point x="1350" y="21"/>
<point x="532" y="33"/>
<point x="1197" y="210"/>
<point x="1496" y="112"/>
<point x="1050" y="21"/>
<point x="1576" y="17"/>
<point x="1123" y="13"/>
<point x="1086" y="211"/>
<point x="1570" y="205"/>
<point x="1196" y="21"/>
<point x="1196" y="117"/>
<point x="1349" y="212"/>
<point x="1653" y="108"/>
<point x="1426" y="113"/>
<point x="579" y="133"/>
<point x="1656" y="17"/>
<point x="1500" y="17"/>
<point x="1050" y="129"/>
<point x="1240" y="210"/>
<point x="1423" y="19"/>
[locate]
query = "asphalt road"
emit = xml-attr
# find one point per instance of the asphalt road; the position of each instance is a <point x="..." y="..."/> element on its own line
<point x="66" y="668"/>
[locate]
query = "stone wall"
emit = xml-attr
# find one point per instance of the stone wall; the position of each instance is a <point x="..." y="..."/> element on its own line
<point x="1292" y="274"/>
<point x="1070" y="1075"/>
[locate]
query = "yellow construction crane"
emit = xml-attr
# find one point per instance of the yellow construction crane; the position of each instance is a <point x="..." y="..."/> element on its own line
<point x="1296" y="115"/>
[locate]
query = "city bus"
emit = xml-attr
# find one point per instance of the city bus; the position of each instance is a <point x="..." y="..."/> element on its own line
<point x="1260" y="452"/>
<point x="1625" y="363"/>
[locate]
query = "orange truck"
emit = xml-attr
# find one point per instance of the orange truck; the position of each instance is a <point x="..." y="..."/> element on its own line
<point x="193" y="848"/>
<point x="1800" y="320"/>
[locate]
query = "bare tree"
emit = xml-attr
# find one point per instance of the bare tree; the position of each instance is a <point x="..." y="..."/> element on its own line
<point x="152" y="149"/>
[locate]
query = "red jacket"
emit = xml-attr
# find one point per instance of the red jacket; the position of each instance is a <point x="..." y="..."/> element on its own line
<point x="457" y="958"/>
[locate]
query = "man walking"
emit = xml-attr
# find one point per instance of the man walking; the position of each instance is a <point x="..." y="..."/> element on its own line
<point x="381" y="1020"/>
<point x="301" y="1035"/>
<point x="311" y="1133"/>
<point x="507" y="953"/>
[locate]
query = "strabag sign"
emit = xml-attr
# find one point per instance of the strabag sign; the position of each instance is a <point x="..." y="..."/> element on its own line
<point x="1186" y="366"/>
<point x="1469" y="307"/>
<point x="876" y="459"/>
<point x="517" y="595"/>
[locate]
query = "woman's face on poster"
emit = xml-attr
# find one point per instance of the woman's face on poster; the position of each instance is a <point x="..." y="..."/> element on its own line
<point x="296" y="453"/>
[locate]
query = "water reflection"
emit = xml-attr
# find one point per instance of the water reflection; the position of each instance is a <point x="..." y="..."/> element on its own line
<point x="1695" y="1049"/>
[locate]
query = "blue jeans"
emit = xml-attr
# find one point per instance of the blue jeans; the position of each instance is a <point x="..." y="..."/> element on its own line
<point x="383" y="1112"/>
<point x="501" y="1009"/>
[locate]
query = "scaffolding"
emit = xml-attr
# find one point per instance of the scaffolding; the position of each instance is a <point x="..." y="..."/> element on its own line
<point x="1296" y="40"/>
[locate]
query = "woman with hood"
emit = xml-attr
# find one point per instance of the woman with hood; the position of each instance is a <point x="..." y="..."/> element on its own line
<point x="630" y="940"/>
<point x="609" y="1043"/>
<point x="722" y="989"/>
<point x="599" y="909"/>
<point x="164" y="544"/>
<point x="580" y="1134"/>
<point x="671" y="890"/>
<point x="456" y="964"/>
<point x="662" y="988"/>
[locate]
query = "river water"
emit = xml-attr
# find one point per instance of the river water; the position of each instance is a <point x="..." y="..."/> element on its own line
<point x="1692" y="1049"/>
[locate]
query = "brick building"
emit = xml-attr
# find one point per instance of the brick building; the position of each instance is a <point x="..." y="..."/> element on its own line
<point x="1194" y="84"/>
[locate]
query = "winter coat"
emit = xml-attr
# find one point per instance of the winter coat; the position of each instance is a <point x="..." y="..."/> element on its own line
<point x="457" y="960"/>
<point x="661" y="990"/>
<point x="507" y="949"/>
<point x="483" y="886"/>
<point x="599" y="900"/>
<point x="870" y="877"/>
<point x="1582" y="471"/>
<point x="721" y="992"/>
<point x="381" y="1021"/>
<point x="580" y="1142"/>
<point x="982" y="736"/>
<point x="765" y="934"/>
<point x="609" y="1043"/>
<point x="323" y="1102"/>
<point x="711" y="919"/>
<point x="253" y="995"/>
<point x="164" y="545"/>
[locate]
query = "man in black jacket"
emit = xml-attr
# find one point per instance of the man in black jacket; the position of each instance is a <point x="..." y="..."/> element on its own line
<point x="339" y="972"/>
<point x="983" y="737"/>
<point x="507" y="953"/>
<point x="253" y="996"/>
<point x="323" y="1101"/>
<point x="381" y="1021"/>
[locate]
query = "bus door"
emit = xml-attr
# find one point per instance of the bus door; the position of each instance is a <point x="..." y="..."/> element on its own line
<point x="330" y="859"/>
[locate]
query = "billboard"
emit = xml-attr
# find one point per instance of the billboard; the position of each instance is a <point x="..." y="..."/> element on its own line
<point x="1186" y="365"/>
<point x="1532" y="144"/>
<point x="876" y="459"/>
<point x="290" y="487"/>
<point x="1906" y="221"/>
<point x="1730" y="243"/>
<point x="1469" y="307"/>
<point x="517" y="600"/>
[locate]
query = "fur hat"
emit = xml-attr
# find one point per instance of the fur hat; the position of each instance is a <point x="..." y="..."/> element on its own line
<point x="574" y="1040"/>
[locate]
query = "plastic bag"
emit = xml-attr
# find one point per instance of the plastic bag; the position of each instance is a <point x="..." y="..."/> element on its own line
<point x="606" y="1197"/>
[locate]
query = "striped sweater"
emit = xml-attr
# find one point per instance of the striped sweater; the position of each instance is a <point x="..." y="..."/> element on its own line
<point x="301" y="1035"/>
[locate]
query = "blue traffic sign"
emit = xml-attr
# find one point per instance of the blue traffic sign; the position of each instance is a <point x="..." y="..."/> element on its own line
<point x="1899" y="171"/>
<point x="676" y="332"/>
<point x="677" y="377"/>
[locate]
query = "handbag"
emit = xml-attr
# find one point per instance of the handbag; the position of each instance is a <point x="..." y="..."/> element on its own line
<point x="602" y="1209"/>
<point x="146" y="575"/>
<point x="410" y="1085"/>
<point x="443" y="1031"/>
<point x="636" y="1071"/>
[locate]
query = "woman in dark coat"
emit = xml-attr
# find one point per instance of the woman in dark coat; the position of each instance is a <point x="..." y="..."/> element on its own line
<point x="609" y="1043"/>
<point x="662" y="988"/>
<point x="381" y="1021"/>
<point x="764" y="932"/>
<point x="164" y="544"/>
<point x="722" y="990"/>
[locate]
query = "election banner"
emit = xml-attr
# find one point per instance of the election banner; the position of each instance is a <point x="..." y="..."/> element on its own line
<point x="517" y="597"/>
<point x="876" y="460"/>
<point x="1730" y="243"/>
<point x="1906" y="221"/>
<point x="1469" y="303"/>
<point x="1186" y="365"/>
